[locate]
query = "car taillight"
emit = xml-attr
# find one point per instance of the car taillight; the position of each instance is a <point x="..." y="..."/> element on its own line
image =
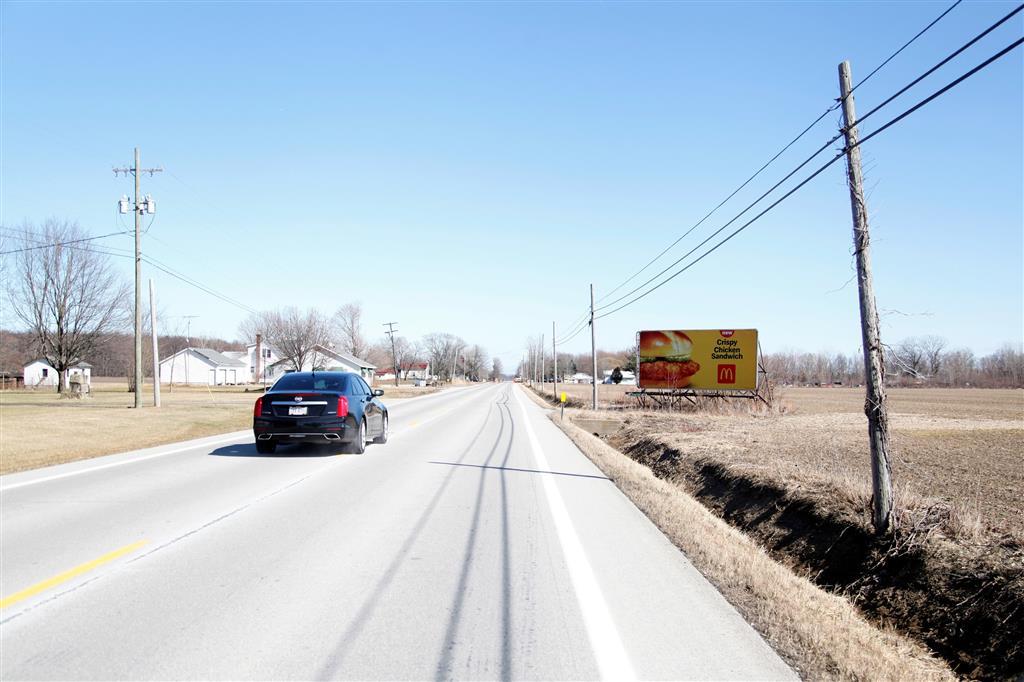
<point x="342" y="406"/>
<point x="257" y="409"/>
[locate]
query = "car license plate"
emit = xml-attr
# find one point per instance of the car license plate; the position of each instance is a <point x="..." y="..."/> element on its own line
<point x="295" y="411"/>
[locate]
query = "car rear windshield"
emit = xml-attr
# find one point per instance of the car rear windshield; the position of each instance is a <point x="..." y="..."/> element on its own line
<point x="312" y="382"/>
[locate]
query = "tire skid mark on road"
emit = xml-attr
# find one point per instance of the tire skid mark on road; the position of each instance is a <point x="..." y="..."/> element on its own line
<point x="426" y="420"/>
<point x="333" y="667"/>
<point x="445" y="664"/>
<point x="506" y="555"/>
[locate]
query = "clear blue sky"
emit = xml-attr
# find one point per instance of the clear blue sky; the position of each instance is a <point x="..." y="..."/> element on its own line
<point x="471" y="167"/>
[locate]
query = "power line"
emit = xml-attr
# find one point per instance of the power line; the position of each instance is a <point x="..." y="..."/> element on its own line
<point x="905" y="46"/>
<point x="195" y="283"/>
<point x="576" y="333"/>
<point x="33" y="238"/>
<point x="832" y="108"/>
<point x="581" y="323"/>
<point x="56" y="244"/>
<point x="943" y="62"/>
<point x="808" y="160"/>
<point x="820" y="170"/>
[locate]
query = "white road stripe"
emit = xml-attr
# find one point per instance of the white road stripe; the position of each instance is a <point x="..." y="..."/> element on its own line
<point x="130" y="460"/>
<point x="193" y="445"/>
<point x="612" y="660"/>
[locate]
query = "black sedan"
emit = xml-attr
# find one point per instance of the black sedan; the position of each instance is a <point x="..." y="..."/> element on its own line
<point x="320" y="407"/>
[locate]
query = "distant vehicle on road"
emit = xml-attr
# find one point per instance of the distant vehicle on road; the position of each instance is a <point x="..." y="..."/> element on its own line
<point x="320" y="407"/>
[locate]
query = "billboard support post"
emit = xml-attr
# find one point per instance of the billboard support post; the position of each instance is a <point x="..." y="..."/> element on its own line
<point x="874" y="368"/>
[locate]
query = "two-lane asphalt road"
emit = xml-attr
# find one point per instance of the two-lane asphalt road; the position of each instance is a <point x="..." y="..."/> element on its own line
<point x="478" y="544"/>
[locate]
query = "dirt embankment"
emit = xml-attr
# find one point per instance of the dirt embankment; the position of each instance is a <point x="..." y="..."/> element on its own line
<point x="960" y="593"/>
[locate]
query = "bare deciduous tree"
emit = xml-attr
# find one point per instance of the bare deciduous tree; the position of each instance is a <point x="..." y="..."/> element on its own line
<point x="293" y="333"/>
<point x="496" y="369"/>
<point x="347" y="328"/>
<point x="474" y="363"/>
<point x="442" y="350"/>
<point x="66" y="294"/>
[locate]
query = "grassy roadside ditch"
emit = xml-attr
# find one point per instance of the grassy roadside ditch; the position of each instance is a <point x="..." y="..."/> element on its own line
<point x="949" y="582"/>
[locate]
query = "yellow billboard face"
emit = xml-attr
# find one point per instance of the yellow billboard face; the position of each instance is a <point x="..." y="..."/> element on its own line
<point x="712" y="359"/>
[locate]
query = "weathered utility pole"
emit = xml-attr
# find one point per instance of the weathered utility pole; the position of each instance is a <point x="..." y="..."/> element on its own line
<point x="554" y="354"/>
<point x="139" y="207"/>
<point x="874" y="367"/>
<point x="156" y="349"/>
<point x="543" y="376"/>
<point x="394" y="356"/>
<point x="593" y="351"/>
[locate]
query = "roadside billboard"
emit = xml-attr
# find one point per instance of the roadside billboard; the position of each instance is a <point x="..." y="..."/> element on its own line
<point x="712" y="359"/>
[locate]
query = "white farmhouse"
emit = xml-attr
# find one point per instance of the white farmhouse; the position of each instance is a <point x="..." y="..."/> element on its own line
<point x="203" y="367"/>
<point x="326" y="360"/>
<point x="42" y="373"/>
<point x="270" y="356"/>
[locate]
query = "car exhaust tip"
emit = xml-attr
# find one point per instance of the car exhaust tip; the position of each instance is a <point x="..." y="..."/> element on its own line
<point x="263" y="436"/>
<point x="332" y="436"/>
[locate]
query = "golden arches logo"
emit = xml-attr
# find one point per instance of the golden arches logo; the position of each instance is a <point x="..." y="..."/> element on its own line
<point x="727" y="374"/>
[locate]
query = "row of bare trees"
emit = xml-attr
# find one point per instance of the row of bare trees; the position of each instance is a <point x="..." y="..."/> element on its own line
<point x="571" y="363"/>
<point x="915" y="361"/>
<point x="295" y="334"/>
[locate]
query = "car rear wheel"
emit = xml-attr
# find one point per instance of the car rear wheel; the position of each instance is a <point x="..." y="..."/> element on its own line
<point x="383" y="437"/>
<point x="358" y="446"/>
<point x="265" y="447"/>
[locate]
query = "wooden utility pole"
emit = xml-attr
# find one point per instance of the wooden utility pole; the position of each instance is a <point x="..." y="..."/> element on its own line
<point x="554" y="354"/>
<point x="543" y="362"/>
<point x="156" y="350"/>
<point x="138" y="288"/>
<point x="138" y="207"/>
<point x="394" y="355"/>
<point x="593" y="351"/>
<point x="874" y="367"/>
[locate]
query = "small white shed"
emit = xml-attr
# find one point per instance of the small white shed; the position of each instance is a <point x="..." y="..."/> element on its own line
<point x="42" y="373"/>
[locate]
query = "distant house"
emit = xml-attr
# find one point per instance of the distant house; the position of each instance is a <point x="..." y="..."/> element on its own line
<point x="580" y="378"/>
<point x="384" y="375"/>
<point x="326" y="360"/>
<point x="415" y="370"/>
<point x="270" y="356"/>
<point x="203" y="367"/>
<point x="42" y="373"/>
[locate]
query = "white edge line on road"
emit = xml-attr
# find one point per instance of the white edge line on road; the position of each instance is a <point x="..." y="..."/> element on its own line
<point x="131" y="460"/>
<point x="612" y="660"/>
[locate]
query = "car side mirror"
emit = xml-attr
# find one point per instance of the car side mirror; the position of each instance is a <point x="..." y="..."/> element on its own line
<point x="378" y="392"/>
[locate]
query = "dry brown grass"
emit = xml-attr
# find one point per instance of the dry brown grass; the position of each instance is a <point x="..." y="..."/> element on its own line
<point x="821" y="635"/>
<point x="798" y="480"/>
<point x="960" y="446"/>
<point x="972" y="465"/>
<point x="39" y="428"/>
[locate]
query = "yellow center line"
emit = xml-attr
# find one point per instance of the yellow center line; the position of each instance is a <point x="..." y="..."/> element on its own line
<point x="68" y="575"/>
